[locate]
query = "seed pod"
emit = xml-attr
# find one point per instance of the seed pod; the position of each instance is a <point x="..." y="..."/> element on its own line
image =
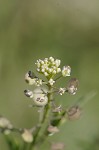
<point x="28" y="93"/>
<point x="27" y="136"/>
<point x="52" y="129"/>
<point x="40" y="98"/>
<point x="57" y="146"/>
<point x="30" y="77"/>
<point x="5" y="123"/>
<point x="72" y="86"/>
<point x="74" y="113"/>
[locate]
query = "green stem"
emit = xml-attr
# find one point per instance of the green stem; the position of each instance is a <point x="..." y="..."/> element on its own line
<point x="43" y="123"/>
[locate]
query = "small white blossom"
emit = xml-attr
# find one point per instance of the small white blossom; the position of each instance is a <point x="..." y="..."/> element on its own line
<point x="39" y="82"/>
<point x="61" y="91"/>
<point x="27" y="136"/>
<point x="42" y="62"/>
<point x="43" y="69"/>
<point x="51" y="59"/>
<point x="57" y="62"/>
<point x="50" y="70"/>
<point x="46" y="60"/>
<point x="58" y="70"/>
<point x="54" y="72"/>
<point x="45" y="73"/>
<point x="51" y="81"/>
<point x="38" y="69"/>
<point x="66" y="71"/>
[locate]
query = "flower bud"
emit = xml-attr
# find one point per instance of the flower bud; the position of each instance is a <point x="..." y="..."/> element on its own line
<point x="72" y="86"/>
<point x="28" y="93"/>
<point x="74" y="113"/>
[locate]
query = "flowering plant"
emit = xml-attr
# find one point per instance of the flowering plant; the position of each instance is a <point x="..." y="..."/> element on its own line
<point x="43" y="97"/>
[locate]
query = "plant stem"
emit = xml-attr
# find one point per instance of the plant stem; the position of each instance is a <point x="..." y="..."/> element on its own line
<point x="43" y="122"/>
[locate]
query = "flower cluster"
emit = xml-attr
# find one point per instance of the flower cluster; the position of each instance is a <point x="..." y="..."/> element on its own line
<point x="49" y="67"/>
<point x="42" y="95"/>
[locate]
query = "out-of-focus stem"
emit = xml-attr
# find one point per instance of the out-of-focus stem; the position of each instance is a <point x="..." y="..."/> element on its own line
<point x="44" y="121"/>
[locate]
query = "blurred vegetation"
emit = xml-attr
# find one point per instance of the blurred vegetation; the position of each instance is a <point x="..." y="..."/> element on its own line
<point x="68" y="30"/>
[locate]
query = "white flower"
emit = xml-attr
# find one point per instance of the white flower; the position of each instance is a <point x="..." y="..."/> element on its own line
<point x="61" y="91"/>
<point x="66" y="71"/>
<point x="39" y="82"/>
<point x="51" y="59"/>
<point x="46" y="74"/>
<point x="54" y="71"/>
<point x="57" y="62"/>
<point x="46" y="60"/>
<point x="51" y="81"/>
<point x="27" y="136"/>
<point x="58" y="70"/>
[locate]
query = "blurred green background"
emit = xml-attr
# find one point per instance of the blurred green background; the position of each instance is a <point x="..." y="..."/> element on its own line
<point x="67" y="30"/>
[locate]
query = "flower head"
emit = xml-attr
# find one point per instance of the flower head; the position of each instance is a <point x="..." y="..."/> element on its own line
<point x="48" y="66"/>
